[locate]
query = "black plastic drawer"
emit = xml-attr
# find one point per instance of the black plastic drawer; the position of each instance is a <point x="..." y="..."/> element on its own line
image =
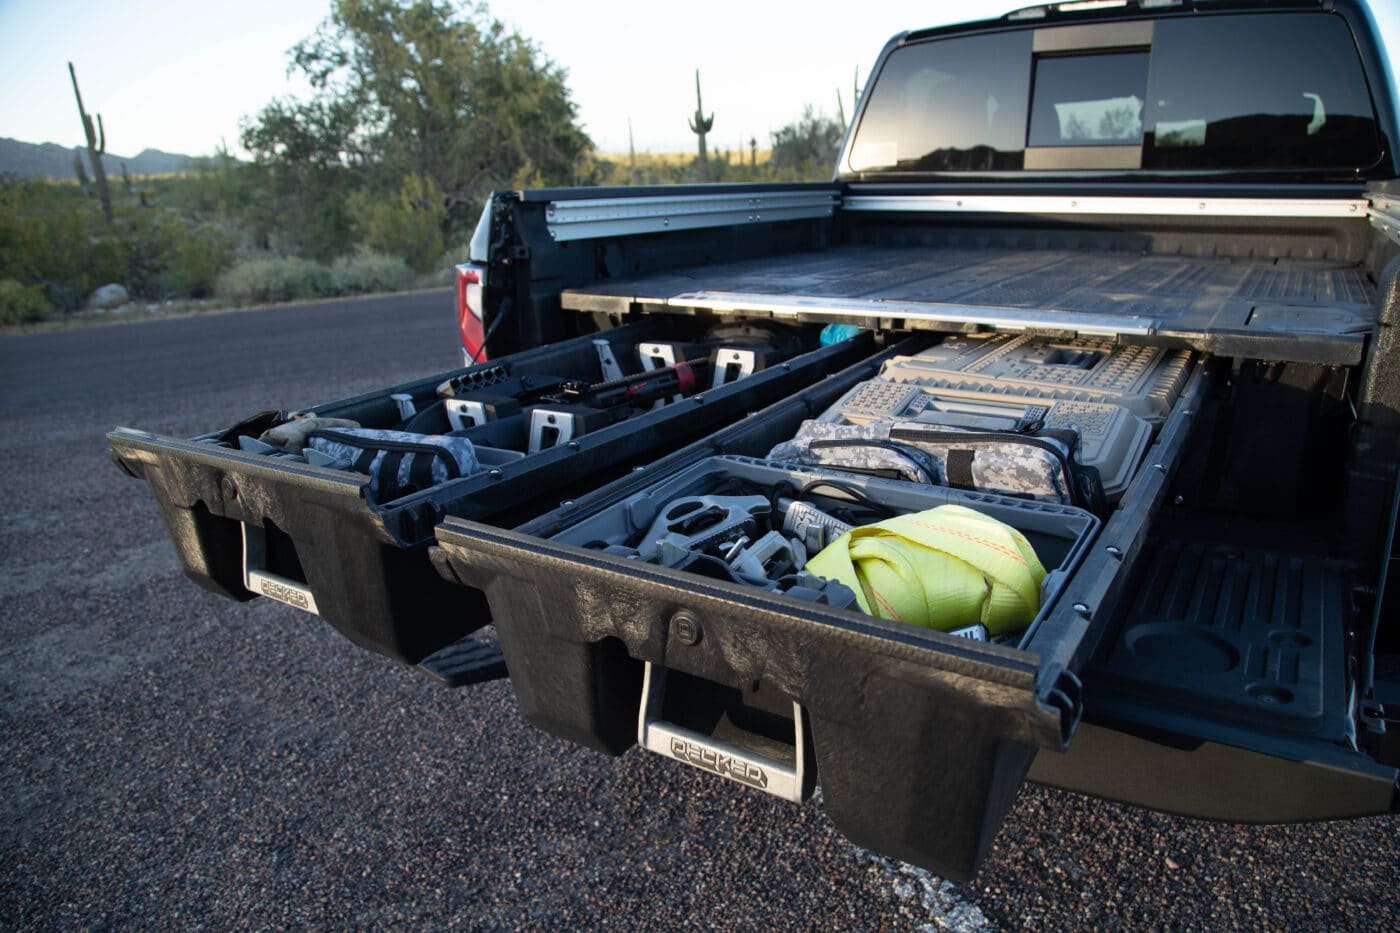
<point x="245" y="522"/>
<point x="920" y="738"/>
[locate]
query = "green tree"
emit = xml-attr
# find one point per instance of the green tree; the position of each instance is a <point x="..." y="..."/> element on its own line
<point x="417" y="89"/>
<point x="221" y="191"/>
<point x="807" y="150"/>
<point x="308" y="161"/>
<point x="409" y="225"/>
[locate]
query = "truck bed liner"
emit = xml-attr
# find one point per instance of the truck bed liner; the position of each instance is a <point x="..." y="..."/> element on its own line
<point x="1307" y="311"/>
<point x="1242" y="634"/>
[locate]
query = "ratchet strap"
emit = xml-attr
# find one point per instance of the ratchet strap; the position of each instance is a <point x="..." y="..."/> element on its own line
<point x="942" y="569"/>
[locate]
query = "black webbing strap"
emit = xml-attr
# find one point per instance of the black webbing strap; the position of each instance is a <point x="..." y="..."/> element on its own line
<point x="958" y="468"/>
<point x="420" y="469"/>
<point x="388" y="471"/>
<point x="365" y="461"/>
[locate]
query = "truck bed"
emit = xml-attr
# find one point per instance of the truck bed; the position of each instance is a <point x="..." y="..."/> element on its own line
<point x="1287" y="309"/>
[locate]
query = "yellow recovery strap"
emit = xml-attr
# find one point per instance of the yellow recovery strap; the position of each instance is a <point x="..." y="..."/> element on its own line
<point x="942" y="569"/>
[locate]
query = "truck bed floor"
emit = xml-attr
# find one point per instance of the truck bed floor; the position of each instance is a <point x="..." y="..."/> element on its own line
<point x="1310" y="311"/>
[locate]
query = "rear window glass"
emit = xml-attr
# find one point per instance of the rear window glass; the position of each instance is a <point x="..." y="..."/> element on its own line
<point x="949" y="106"/>
<point x="1089" y="100"/>
<point x="1278" y="90"/>
<point x="1242" y="91"/>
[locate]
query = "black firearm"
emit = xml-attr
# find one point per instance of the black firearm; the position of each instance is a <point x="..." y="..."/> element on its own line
<point x="506" y="395"/>
<point x="580" y="407"/>
<point x="636" y="391"/>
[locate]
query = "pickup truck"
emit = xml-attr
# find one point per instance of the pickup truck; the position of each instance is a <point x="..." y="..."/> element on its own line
<point x="1154" y="242"/>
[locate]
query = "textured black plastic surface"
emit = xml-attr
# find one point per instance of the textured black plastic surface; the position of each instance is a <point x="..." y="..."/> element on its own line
<point x="1223" y="778"/>
<point x="365" y="562"/>
<point x="1304" y="310"/>
<point x="465" y="662"/>
<point x="1242" y="634"/>
<point x="1376" y="440"/>
<point x="921" y="738"/>
<point x="367" y="585"/>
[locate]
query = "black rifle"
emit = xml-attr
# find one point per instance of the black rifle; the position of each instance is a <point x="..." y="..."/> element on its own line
<point x="580" y="407"/>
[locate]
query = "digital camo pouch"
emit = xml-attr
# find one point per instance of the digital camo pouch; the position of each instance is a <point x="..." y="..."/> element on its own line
<point x="397" y="462"/>
<point x="1037" y="464"/>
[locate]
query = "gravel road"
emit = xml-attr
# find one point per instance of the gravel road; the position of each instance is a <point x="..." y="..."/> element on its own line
<point x="172" y="759"/>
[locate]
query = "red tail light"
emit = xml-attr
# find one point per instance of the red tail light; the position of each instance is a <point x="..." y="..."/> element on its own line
<point x="470" y="279"/>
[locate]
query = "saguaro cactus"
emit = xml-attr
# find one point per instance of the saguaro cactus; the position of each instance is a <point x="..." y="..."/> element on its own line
<point x="855" y="99"/>
<point x="700" y="125"/>
<point x="96" y="147"/>
<point x="632" y="174"/>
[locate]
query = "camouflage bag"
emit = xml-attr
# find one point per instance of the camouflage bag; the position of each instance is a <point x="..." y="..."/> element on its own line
<point x="1033" y="464"/>
<point x="398" y="462"/>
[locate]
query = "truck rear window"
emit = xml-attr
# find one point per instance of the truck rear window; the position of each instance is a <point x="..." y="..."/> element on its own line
<point x="1259" y="91"/>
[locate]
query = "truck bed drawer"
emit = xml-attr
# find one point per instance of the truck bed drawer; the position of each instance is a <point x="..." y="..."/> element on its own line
<point x="918" y="738"/>
<point x="247" y="519"/>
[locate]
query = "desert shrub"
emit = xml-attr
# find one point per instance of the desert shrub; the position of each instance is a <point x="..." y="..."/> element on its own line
<point x="370" y="272"/>
<point x="21" y="304"/>
<point x="198" y="259"/>
<point x="807" y="149"/>
<point x="49" y="235"/>
<point x="274" y="278"/>
<point x="145" y="240"/>
<point x="408" y="224"/>
<point x="54" y="236"/>
<point x="166" y="255"/>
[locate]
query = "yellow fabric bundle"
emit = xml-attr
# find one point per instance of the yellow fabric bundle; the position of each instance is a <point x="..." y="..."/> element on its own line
<point x="942" y="569"/>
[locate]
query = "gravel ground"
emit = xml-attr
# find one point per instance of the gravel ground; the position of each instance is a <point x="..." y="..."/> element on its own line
<point x="172" y="759"/>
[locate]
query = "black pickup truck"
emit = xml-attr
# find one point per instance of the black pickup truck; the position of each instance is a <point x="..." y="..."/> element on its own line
<point x="1154" y="243"/>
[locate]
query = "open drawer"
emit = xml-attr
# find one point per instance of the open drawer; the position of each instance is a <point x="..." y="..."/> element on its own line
<point x="250" y="518"/>
<point x="918" y="738"/>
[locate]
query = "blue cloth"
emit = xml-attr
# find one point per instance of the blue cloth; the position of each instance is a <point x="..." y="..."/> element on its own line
<point x="836" y="333"/>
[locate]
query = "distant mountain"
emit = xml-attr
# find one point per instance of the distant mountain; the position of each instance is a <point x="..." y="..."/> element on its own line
<point x="49" y="160"/>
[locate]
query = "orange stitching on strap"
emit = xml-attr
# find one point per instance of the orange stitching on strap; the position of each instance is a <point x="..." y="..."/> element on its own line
<point x="893" y="613"/>
<point x="990" y="545"/>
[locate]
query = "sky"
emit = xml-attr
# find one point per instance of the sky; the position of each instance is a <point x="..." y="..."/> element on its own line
<point x="181" y="76"/>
